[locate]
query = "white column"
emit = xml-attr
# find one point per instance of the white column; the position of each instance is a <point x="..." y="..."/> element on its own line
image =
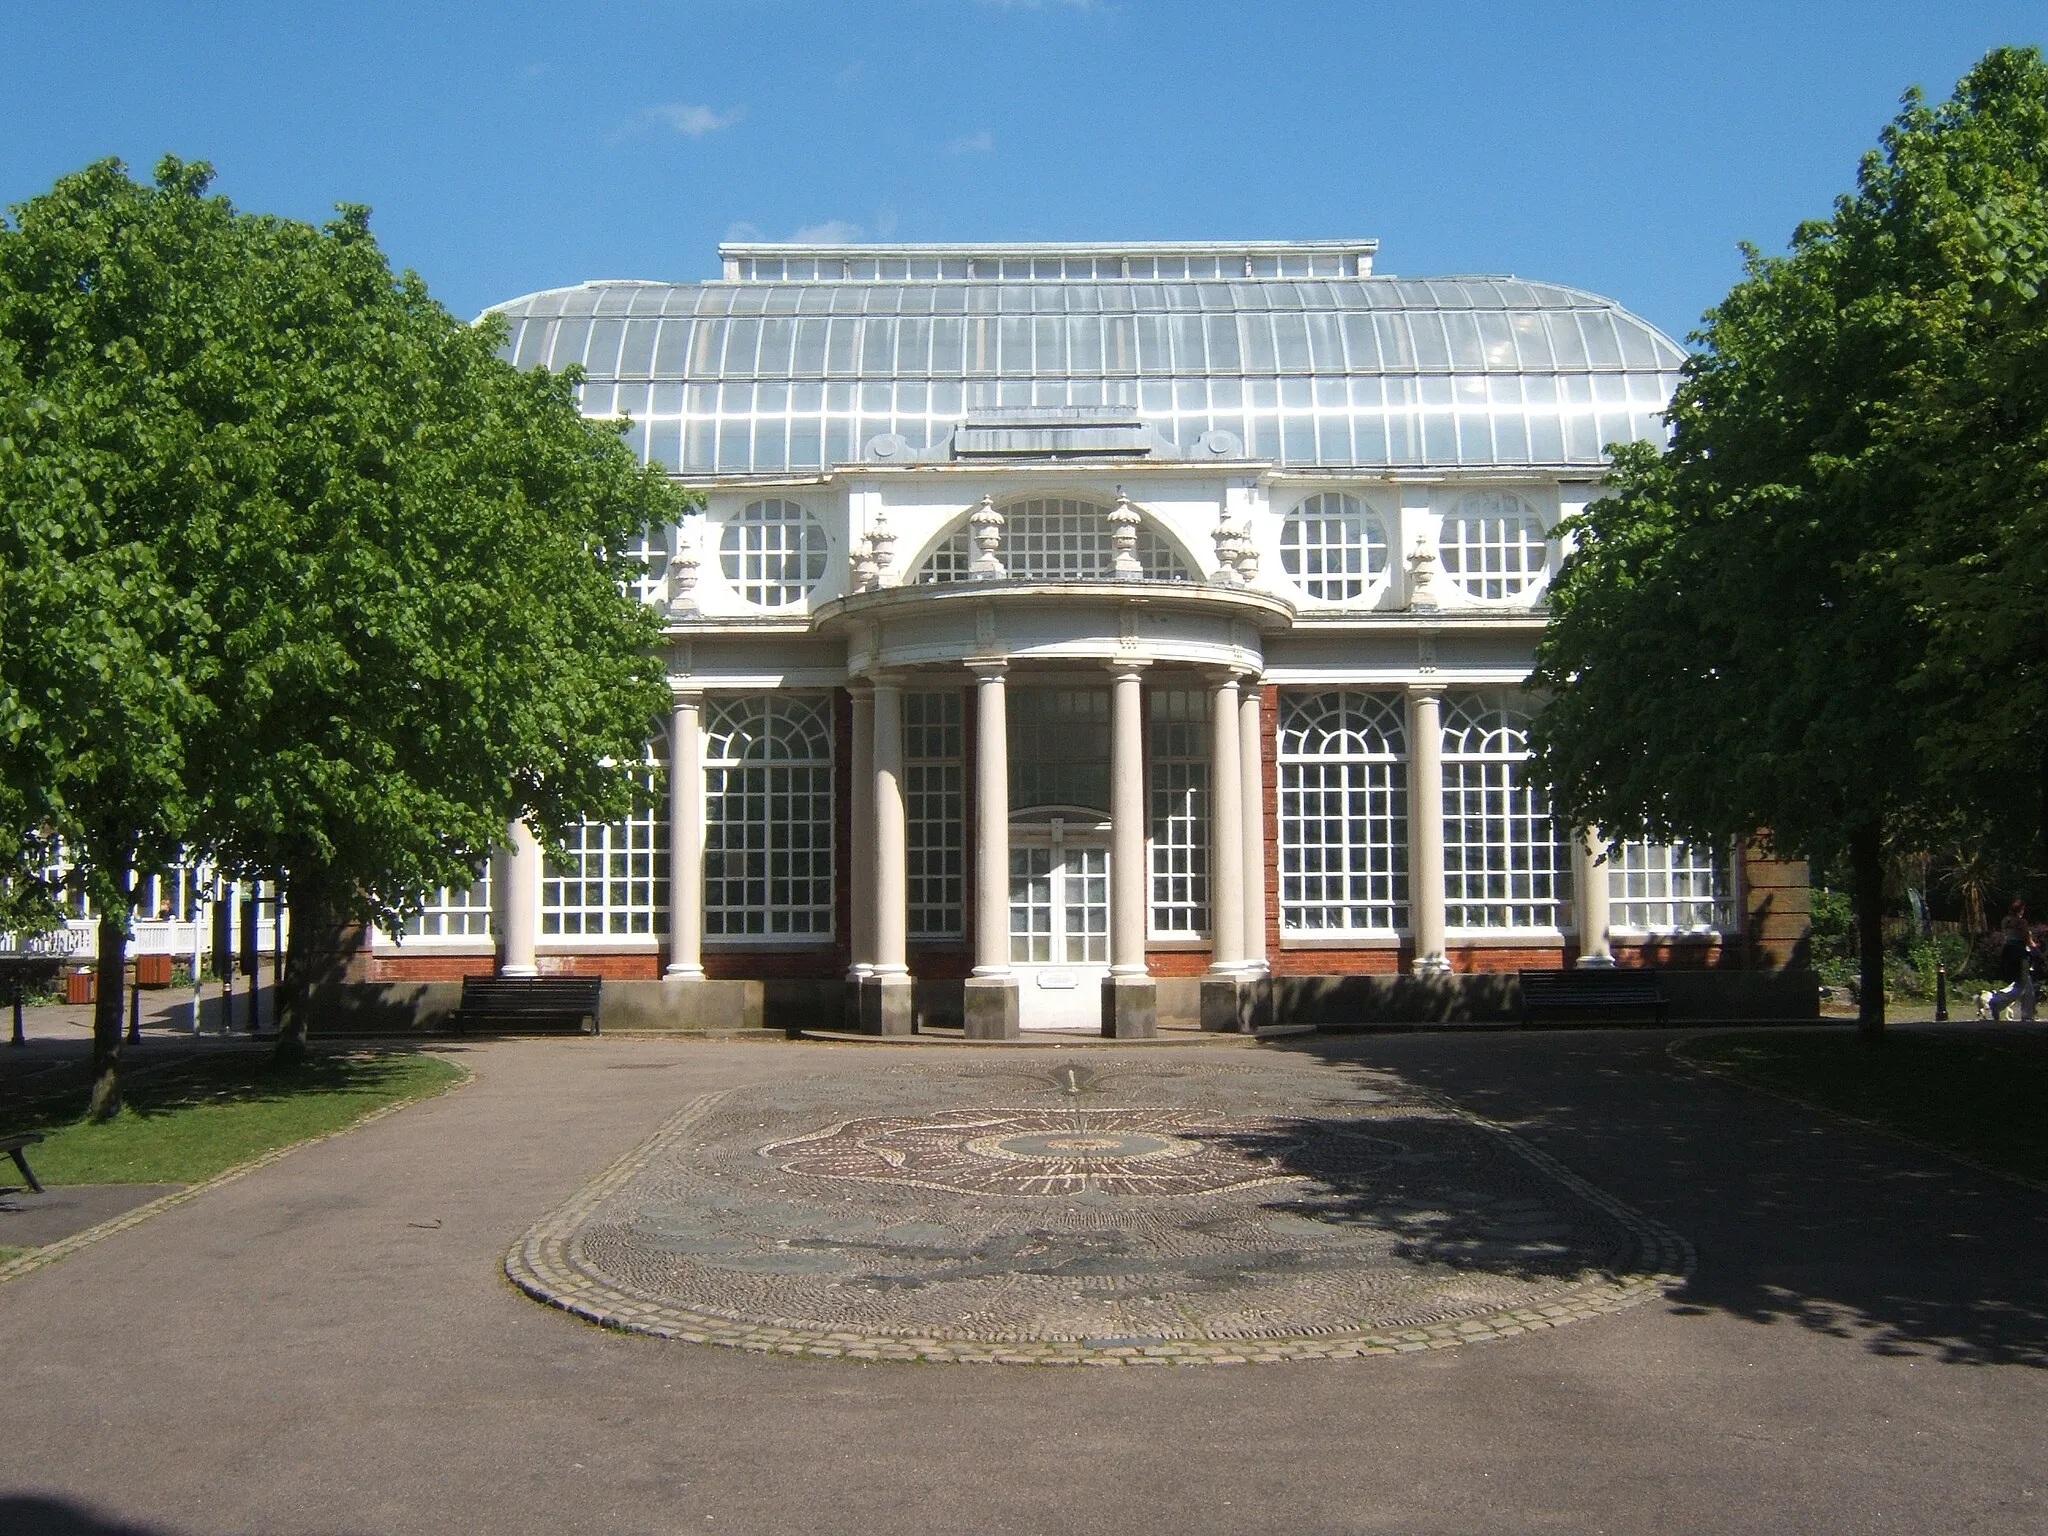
<point x="1426" y="827"/>
<point x="1252" y="772"/>
<point x="991" y="820"/>
<point x="1590" y="896"/>
<point x="1127" y="872"/>
<point x="862" y="871"/>
<point x="686" y="837"/>
<point x="892" y="873"/>
<point x="517" y="899"/>
<point x="1226" y="832"/>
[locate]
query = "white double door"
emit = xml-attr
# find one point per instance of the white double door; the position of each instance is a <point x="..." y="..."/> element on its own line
<point x="1059" y="923"/>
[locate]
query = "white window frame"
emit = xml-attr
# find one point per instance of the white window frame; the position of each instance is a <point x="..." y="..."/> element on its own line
<point x="1492" y="512"/>
<point x="773" y="754"/>
<point x="1524" y="884"/>
<point x="1350" y="747"/>
<point x="1177" y="850"/>
<point x="1334" y="549"/>
<point x="935" y="813"/>
<point x="774" y="553"/>
<point x="628" y="862"/>
<point x="468" y="907"/>
<point x="1636" y="868"/>
<point x="1075" y="531"/>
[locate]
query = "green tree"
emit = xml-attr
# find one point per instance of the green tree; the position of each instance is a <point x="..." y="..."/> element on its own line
<point x="101" y="644"/>
<point x="1760" y="627"/>
<point x="323" y="587"/>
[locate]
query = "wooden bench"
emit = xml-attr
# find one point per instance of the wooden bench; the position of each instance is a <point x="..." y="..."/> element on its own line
<point x="1583" y="994"/>
<point x="12" y="1146"/>
<point x="529" y="1005"/>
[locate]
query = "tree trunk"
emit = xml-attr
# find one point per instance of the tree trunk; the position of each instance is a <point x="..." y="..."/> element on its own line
<point x="291" y="995"/>
<point x="312" y="957"/>
<point x="106" y="1014"/>
<point x="1866" y="864"/>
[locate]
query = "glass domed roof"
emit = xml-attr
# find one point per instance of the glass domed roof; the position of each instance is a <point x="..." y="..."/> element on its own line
<point x="802" y="355"/>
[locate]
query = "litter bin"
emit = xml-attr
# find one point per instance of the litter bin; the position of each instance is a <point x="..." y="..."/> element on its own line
<point x="81" y="986"/>
<point x="152" y="970"/>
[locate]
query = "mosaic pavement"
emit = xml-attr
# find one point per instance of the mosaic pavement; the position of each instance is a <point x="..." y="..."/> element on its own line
<point x="1067" y="1214"/>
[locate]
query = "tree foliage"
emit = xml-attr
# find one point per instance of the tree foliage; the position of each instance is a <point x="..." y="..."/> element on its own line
<point x="311" y="581"/>
<point x="1799" y="616"/>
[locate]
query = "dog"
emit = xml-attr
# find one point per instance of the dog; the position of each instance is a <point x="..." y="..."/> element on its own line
<point x="1984" y="1005"/>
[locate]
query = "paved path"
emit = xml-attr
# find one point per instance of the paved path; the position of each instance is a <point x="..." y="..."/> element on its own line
<point x="330" y="1346"/>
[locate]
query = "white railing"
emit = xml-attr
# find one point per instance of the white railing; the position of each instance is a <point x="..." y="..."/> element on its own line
<point x="79" y="939"/>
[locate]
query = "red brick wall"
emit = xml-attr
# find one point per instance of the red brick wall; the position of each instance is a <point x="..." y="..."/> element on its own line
<point x="644" y="966"/>
<point x="1675" y="954"/>
<point x="819" y="964"/>
<point x="1340" y="962"/>
<point x="950" y="963"/>
<point x="1778" y="910"/>
<point x="404" y="967"/>
<point x="1472" y="960"/>
<point x="1177" y="962"/>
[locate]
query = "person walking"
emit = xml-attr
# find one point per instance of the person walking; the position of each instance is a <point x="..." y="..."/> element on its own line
<point x="2016" y="960"/>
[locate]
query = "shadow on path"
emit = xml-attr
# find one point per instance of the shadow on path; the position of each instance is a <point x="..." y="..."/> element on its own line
<point x="33" y="1515"/>
<point x="1798" y="1219"/>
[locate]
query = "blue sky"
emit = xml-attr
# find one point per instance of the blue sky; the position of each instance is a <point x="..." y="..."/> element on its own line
<point x="515" y="146"/>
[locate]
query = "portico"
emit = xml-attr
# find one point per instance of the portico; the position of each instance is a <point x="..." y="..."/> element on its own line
<point x="1061" y="915"/>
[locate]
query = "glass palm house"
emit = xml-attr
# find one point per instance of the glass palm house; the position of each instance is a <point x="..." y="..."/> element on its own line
<point x="1097" y="637"/>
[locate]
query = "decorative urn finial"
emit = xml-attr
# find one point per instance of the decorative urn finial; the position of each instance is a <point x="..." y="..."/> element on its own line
<point x="1422" y="575"/>
<point x="1226" y="541"/>
<point x="1123" y="538"/>
<point x="882" y="546"/>
<point x="987" y="524"/>
<point x="682" y="578"/>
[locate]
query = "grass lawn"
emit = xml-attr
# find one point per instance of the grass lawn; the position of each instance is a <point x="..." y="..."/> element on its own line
<point x="1982" y="1094"/>
<point x="186" y="1122"/>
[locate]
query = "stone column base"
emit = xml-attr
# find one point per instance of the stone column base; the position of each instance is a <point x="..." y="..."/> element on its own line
<point x="1595" y="963"/>
<point x="991" y="1012"/>
<point x="886" y="1006"/>
<point x="1130" y="1008"/>
<point x="1236" y="1005"/>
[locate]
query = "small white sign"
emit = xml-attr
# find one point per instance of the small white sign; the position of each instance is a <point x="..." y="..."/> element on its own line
<point x="1056" y="979"/>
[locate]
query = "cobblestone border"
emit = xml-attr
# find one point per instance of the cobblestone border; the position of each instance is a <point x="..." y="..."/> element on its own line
<point x="547" y="1265"/>
<point x="64" y="1247"/>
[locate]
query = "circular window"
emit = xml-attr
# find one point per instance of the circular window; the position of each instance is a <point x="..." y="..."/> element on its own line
<point x="1333" y="548"/>
<point x="773" y="553"/>
<point x="1494" y="546"/>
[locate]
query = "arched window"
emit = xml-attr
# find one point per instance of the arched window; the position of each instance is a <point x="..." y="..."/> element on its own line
<point x="1504" y="864"/>
<point x="773" y="553"/>
<point x="1055" y="539"/>
<point x="1334" y="548"/>
<point x="1493" y="546"/>
<point x="1667" y="888"/>
<point x="1343" y="813"/>
<point x="768" y="817"/>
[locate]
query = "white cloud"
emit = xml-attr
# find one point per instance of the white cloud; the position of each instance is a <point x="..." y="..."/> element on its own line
<point x="831" y="232"/>
<point x="740" y="229"/>
<point x="980" y="143"/>
<point x="692" y="120"/>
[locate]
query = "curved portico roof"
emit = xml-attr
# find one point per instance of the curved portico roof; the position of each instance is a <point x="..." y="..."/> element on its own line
<point x="803" y="355"/>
